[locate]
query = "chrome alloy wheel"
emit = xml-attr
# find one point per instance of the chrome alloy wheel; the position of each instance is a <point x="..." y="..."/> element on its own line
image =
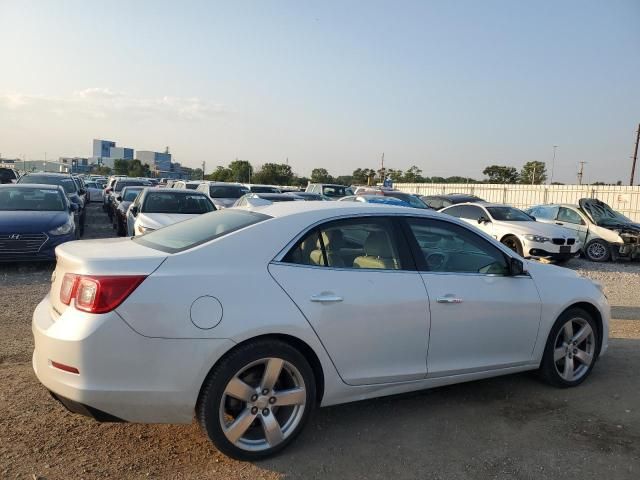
<point x="574" y="349"/>
<point x="262" y="404"/>
<point x="597" y="251"/>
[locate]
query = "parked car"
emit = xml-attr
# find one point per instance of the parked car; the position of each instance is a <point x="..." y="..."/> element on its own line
<point x="70" y="187"/>
<point x="259" y="199"/>
<point x="604" y="233"/>
<point x="117" y="188"/>
<point x="34" y="220"/>
<point x="122" y="202"/>
<point x="155" y="208"/>
<point x="379" y="199"/>
<point x="309" y="197"/>
<point x="223" y="194"/>
<point x="254" y="188"/>
<point x="82" y="189"/>
<point x="8" y="175"/>
<point x="518" y="230"/>
<point x="329" y="190"/>
<point x="438" y="202"/>
<point x="253" y="318"/>
<point x="412" y="199"/>
<point x="181" y="184"/>
<point x="94" y="190"/>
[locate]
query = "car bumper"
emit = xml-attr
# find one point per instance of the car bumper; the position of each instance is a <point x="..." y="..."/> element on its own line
<point x="625" y="250"/>
<point x="550" y="250"/>
<point x="47" y="252"/>
<point x="122" y="375"/>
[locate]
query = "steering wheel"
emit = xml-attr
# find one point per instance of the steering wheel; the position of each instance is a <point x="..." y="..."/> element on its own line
<point x="437" y="260"/>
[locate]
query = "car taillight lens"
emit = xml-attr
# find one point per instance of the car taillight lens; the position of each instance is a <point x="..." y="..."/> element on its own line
<point x="98" y="294"/>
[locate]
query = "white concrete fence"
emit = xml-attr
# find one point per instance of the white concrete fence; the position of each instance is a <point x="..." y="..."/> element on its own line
<point x="624" y="199"/>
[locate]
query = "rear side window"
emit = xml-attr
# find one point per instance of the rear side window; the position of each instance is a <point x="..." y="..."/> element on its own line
<point x="569" y="216"/>
<point x="191" y="233"/>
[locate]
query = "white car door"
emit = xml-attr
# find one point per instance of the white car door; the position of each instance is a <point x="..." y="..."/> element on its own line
<point x="355" y="282"/>
<point x="482" y="318"/>
<point x="574" y="221"/>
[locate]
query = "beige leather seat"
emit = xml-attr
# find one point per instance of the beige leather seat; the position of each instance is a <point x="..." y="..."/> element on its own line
<point x="378" y="253"/>
<point x="333" y="241"/>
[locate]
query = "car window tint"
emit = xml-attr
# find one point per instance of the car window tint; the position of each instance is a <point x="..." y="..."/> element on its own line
<point x="352" y="244"/>
<point x="569" y="216"/>
<point x="471" y="212"/>
<point x="66" y="183"/>
<point x="179" y="203"/>
<point x="453" y="211"/>
<point x="446" y="247"/>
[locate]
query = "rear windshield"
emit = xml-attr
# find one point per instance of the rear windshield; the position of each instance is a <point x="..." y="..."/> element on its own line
<point x="334" y="191"/>
<point x="191" y="233"/>
<point x="226" y="191"/>
<point x="66" y="183"/>
<point x="176" y="202"/>
<point x="264" y="189"/>
<point x="130" y="194"/>
<point x="120" y="185"/>
<point x="31" y="199"/>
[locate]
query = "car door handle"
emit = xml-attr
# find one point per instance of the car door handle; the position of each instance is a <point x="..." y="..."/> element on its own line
<point x="448" y="299"/>
<point x="326" y="297"/>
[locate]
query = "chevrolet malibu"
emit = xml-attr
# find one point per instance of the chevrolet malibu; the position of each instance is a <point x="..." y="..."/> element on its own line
<point x="251" y="318"/>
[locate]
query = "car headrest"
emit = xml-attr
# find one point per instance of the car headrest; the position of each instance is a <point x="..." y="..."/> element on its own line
<point x="377" y="245"/>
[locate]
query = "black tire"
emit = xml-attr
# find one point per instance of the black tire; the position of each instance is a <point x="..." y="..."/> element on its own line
<point x="212" y="392"/>
<point x="513" y="243"/>
<point x="121" y="229"/>
<point x="548" y="371"/>
<point x="597" y="250"/>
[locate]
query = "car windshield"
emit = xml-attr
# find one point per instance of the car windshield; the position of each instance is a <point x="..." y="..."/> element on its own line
<point x="66" y="183"/>
<point x="120" y="185"/>
<point x="33" y="199"/>
<point x="227" y="191"/>
<point x="130" y="194"/>
<point x="509" y="214"/>
<point x="188" y="234"/>
<point x="176" y="202"/>
<point x="603" y="214"/>
<point x="410" y="199"/>
<point x="334" y="191"/>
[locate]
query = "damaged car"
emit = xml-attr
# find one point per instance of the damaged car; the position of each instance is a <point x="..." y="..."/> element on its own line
<point x="604" y="233"/>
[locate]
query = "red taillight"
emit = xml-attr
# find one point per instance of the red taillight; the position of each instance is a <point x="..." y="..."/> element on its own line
<point x="65" y="368"/>
<point x="98" y="294"/>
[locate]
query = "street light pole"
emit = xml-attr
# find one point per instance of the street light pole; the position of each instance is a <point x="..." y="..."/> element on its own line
<point x="553" y="163"/>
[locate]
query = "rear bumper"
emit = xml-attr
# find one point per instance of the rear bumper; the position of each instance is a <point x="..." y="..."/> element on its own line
<point x="122" y="374"/>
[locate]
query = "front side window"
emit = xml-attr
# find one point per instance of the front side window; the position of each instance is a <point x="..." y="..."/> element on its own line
<point x="446" y="247"/>
<point x="569" y="216"/>
<point x="367" y="243"/>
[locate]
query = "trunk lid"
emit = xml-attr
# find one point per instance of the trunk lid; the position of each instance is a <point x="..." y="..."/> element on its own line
<point x="113" y="256"/>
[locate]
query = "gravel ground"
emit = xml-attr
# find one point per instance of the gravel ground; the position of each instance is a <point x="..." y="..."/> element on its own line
<point x="502" y="428"/>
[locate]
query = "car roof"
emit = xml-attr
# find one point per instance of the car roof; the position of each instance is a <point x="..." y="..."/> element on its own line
<point x="49" y="174"/>
<point x="47" y="186"/>
<point x="176" y="191"/>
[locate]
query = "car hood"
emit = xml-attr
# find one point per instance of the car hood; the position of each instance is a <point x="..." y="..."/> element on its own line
<point x="30" y="222"/>
<point x="159" y="220"/>
<point x="537" y="228"/>
<point x="593" y="205"/>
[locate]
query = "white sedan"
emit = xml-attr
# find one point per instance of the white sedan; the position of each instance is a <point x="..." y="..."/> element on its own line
<point x="251" y="318"/>
<point x="518" y="230"/>
<point x="155" y="208"/>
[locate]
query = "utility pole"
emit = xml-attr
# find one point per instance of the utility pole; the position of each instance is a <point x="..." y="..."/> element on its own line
<point x="581" y="172"/>
<point x="635" y="157"/>
<point x="382" y="176"/>
<point x="533" y="177"/>
<point x="553" y="163"/>
<point x="203" y="164"/>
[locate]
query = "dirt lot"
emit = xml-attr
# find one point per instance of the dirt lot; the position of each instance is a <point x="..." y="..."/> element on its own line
<point x="509" y="427"/>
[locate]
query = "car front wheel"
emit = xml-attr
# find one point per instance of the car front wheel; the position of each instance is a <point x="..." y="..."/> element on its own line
<point x="257" y="399"/>
<point x="597" y="250"/>
<point x="513" y="243"/>
<point x="571" y="349"/>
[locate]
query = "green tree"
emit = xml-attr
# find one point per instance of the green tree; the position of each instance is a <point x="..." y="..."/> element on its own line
<point x="359" y="176"/>
<point x="137" y="169"/>
<point x="501" y="174"/>
<point x="274" y="174"/>
<point x="120" y="167"/>
<point x="241" y="171"/>
<point x="102" y="170"/>
<point x="320" y="175"/>
<point x="196" y="174"/>
<point x="457" y="179"/>
<point x="396" y="176"/>
<point x="344" y="180"/>
<point x="221" y="174"/>
<point x="413" y="175"/>
<point x="533" y="173"/>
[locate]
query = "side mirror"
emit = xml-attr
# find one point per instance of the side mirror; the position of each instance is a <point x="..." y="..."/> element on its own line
<point x="82" y="191"/>
<point x="516" y="267"/>
<point x="119" y="198"/>
<point x="134" y="211"/>
<point x="483" y="219"/>
<point x="73" y="207"/>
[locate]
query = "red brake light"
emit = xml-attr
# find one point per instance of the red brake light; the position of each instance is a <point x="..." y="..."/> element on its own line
<point x="98" y="294"/>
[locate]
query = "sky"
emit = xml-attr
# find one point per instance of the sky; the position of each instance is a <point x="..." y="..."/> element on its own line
<point x="449" y="86"/>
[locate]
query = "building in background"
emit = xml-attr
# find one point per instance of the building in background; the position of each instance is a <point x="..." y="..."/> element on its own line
<point x="123" y="153"/>
<point x="159" y="162"/>
<point x="106" y="153"/>
<point x="101" y="148"/>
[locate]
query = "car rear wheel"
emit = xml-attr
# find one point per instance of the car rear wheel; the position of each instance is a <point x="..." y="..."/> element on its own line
<point x="570" y="353"/>
<point x="597" y="250"/>
<point x="513" y="243"/>
<point x="257" y="399"/>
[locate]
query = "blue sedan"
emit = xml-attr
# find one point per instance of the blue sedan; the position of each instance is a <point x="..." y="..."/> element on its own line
<point x="34" y="220"/>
